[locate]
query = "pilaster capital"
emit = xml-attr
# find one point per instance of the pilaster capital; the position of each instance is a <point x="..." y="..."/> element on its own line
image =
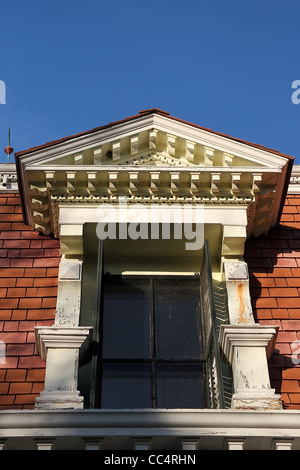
<point x="249" y="336"/>
<point x="61" y="338"/>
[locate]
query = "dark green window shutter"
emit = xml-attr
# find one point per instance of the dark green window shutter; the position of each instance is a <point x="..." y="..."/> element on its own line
<point x="210" y="334"/>
<point x="95" y="386"/>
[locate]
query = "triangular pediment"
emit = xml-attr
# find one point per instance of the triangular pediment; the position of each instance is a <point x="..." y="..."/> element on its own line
<point x="151" y="139"/>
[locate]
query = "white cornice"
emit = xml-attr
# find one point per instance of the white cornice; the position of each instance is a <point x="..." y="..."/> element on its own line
<point x="294" y="184"/>
<point x="199" y="185"/>
<point x="46" y="186"/>
<point x="165" y="169"/>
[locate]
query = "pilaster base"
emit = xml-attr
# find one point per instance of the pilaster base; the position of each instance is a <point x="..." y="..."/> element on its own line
<point x="256" y="400"/>
<point x="60" y="346"/>
<point x="247" y="348"/>
<point x="59" y="400"/>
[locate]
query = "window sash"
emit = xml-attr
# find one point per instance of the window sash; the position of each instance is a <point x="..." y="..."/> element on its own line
<point x="153" y="384"/>
<point x="146" y="318"/>
<point x="159" y="288"/>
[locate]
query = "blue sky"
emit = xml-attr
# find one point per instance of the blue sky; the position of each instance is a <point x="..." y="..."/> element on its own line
<point x="72" y="65"/>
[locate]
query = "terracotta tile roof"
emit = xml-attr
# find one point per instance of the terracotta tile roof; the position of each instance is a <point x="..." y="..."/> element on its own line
<point x="274" y="267"/>
<point x="28" y="288"/>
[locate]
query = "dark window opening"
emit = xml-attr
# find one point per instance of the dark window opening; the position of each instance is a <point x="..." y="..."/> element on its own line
<point x="152" y="350"/>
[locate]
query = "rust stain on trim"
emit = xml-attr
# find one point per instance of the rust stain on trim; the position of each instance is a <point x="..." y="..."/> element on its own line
<point x="242" y="307"/>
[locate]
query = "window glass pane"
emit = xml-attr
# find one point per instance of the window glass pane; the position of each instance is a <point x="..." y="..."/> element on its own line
<point x="177" y="318"/>
<point x="179" y="385"/>
<point x="126" y="319"/>
<point x="126" y="385"/>
<point x="141" y="317"/>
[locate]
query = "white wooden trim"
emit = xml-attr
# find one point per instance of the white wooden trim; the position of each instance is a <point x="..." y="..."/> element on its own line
<point x="88" y="423"/>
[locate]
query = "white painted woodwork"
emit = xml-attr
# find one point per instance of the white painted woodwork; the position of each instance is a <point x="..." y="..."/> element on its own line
<point x="238" y="293"/>
<point x="247" y="348"/>
<point x="59" y="346"/>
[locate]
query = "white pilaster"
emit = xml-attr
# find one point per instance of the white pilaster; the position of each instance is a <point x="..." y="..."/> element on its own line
<point x="246" y="344"/>
<point x="59" y="344"/>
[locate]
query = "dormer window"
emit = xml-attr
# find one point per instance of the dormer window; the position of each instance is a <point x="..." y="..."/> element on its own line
<point x="151" y="158"/>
